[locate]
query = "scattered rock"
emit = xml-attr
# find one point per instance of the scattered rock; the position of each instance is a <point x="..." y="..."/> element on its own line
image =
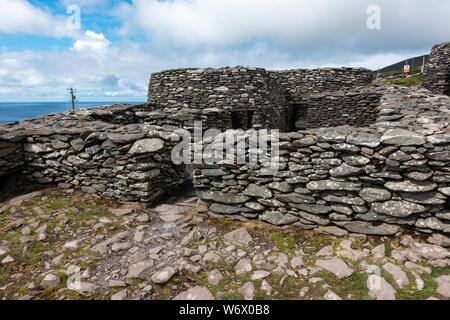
<point x="240" y="237"/>
<point x="380" y="289"/>
<point x="165" y="275"/>
<point x="336" y="266"/>
<point x="195" y="293"/>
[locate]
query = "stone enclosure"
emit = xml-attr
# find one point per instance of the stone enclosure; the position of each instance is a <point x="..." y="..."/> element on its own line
<point x="354" y="157"/>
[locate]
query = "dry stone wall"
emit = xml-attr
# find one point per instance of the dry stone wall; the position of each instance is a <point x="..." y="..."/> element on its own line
<point x="356" y="107"/>
<point x="212" y="95"/>
<point x="437" y="71"/>
<point x="300" y="82"/>
<point x="347" y="180"/>
<point x="245" y="97"/>
<point x="391" y="171"/>
<point x="74" y="150"/>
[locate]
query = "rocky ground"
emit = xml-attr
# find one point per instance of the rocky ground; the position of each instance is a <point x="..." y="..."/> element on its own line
<point x="67" y="245"/>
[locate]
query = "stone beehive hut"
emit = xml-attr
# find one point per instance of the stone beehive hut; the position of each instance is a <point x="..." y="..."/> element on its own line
<point x="354" y="157"/>
<point x="437" y="71"/>
<point x="245" y="97"/>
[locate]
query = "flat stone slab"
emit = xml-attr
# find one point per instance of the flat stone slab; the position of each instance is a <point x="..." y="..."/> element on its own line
<point x="380" y="289"/>
<point x="195" y="293"/>
<point x="336" y="266"/>
<point x="443" y="285"/>
<point x="168" y="209"/>
<point x="165" y="275"/>
<point x="369" y="228"/>
<point x="119" y="212"/>
<point x="398" y="274"/>
<point x="430" y="251"/>
<point x="239" y="237"/>
<point x="402" y="138"/>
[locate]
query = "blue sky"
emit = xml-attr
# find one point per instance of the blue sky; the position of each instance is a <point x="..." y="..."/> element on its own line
<point x="120" y="43"/>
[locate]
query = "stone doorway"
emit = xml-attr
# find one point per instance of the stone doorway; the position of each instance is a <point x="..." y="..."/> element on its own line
<point x="298" y="117"/>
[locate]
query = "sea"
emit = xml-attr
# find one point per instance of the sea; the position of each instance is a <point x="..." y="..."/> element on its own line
<point x="16" y="111"/>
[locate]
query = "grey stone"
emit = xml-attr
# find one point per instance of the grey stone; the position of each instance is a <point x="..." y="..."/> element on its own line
<point x="226" y="198"/>
<point x="214" y="277"/>
<point x="295" y="198"/>
<point x="368" y="228"/>
<point x="83" y="288"/>
<point x="330" y="295"/>
<point x="378" y="252"/>
<point x="258" y="275"/>
<point x="398" y="274"/>
<point x="334" y="231"/>
<point x="226" y="209"/>
<point x="354" y="160"/>
<point x="430" y="251"/>
<point x="191" y="237"/>
<point x="297" y="262"/>
<point x="195" y="293"/>
<point x="345" y="170"/>
<point x="312" y="208"/>
<point x="278" y="218"/>
<point x="243" y="266"/>
<point x="380" y="289"/>
<point x="336" y="266"/>
<point x="139" y="270"/>
<point x="402" y="137"/>
<point x="146" y="146"/>
<point x="164" y="275"/>
<point x="119" y="296"/>
<point x="254" y="190"/>
<point x="247" y="290"/>
<point x="50" y="281"/>
<point x="397" y="208"/>
<point x="410" y="186"/>
<point x="240" y="237"/>
<point x="375" y="194"/>
<point x="313" y="218"/>
<point x="333" y="185"/>
<point x="443" y="285"/>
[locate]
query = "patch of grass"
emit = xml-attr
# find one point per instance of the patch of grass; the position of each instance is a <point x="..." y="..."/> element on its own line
<point x="58" y="204"/>
<point x="356" y="284"/>
<point x="244" y="277"/>
<point x="388" y="249"/>
<point x="413" y="81"/>
<point x="284" y="242"/>
<point x="82" y="216"/>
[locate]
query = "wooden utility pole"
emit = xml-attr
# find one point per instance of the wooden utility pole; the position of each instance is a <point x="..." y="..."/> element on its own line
<point x="72" y="94"/>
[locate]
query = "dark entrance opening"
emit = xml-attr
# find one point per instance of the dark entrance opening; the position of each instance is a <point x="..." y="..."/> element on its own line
<point x="298" y="120"/>
<point x="236" y="120"/>
<point x="250" y="114"/>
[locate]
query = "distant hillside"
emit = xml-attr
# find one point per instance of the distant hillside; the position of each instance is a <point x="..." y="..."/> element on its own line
<point x="414" y="62"/>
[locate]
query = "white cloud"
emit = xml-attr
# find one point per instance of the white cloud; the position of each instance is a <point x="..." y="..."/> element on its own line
<point x="92" y="43"/>
<point x="18" y="16"/>
<point x="14" y="73"/>
<point x="280" y="34"/>
<point x="307" y="25"/>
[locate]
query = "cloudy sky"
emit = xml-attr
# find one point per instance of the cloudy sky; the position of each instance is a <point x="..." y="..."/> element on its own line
<point x="109" y="54"/>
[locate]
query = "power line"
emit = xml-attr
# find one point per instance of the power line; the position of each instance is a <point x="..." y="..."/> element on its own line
<point x="72" y="94"/>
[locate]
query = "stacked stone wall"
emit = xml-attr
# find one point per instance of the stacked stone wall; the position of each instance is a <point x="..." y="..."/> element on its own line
<point x="212" y="95"/>
<point x="437" y="70"/>
<point x="356" y="107"/>
<point x="347" y="180"/>
<point x="74" y="150"/>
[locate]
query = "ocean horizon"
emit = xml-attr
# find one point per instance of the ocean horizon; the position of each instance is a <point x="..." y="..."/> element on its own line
<point x="16" y="111"/>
